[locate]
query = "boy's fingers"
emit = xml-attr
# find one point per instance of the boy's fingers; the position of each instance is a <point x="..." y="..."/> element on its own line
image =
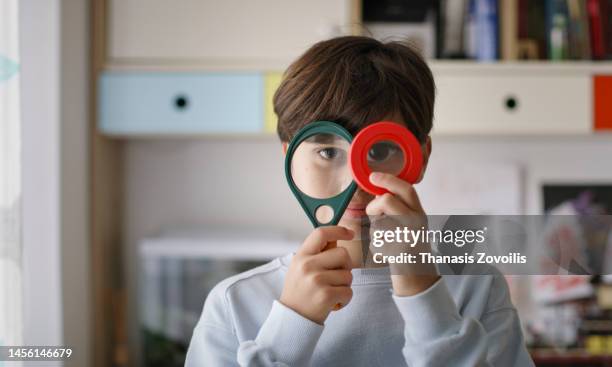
<point x="334" y="278"/>
<point x="343" y="295"/>
<point x="404" y="190"/>
<point x="386" y="204"/>
<point x="318" y="239"/>
<point x="336" y="258"/>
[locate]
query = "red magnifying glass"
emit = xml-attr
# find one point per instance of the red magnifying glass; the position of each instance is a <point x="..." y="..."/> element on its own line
<point x="385" y="147"/>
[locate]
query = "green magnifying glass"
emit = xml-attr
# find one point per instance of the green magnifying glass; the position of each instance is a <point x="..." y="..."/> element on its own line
<point x="323" y="166"/>
<point x="318" y="173"/>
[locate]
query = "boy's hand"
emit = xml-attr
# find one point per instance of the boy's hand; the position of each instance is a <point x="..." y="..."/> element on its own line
<point x="319" y="278"/>
<point x="403" y="201"/>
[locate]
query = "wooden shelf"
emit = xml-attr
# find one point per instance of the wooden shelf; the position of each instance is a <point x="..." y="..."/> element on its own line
<point x="571" y="357"/>
<point x="503" y="67"/>
<point x="604" y="66"/>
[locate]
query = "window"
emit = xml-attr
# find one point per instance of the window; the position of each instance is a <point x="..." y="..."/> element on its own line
<point x="11" y="327"/>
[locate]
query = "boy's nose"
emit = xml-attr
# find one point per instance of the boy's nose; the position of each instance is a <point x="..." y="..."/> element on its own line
<point x="362" y="196"/>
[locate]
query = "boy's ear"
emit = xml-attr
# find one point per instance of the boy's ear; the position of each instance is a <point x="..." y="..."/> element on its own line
<point x="426" y="153"/>
<point x="285" y="145"/>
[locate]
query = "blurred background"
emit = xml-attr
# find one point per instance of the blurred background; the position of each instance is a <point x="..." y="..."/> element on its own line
<point x="139" y="164"/>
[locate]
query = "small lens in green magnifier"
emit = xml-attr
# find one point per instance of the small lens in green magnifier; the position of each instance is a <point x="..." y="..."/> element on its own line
<point x="324" y="214"/>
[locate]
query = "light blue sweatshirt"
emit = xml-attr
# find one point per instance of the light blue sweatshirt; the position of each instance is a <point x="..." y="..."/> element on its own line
<point x="458" y="321"/>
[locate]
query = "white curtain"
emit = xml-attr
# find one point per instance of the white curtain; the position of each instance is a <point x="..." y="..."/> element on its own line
<point x="11" y="327"/>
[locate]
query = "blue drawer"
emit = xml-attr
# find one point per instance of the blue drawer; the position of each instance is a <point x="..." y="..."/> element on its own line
<point x="180" y="103"/>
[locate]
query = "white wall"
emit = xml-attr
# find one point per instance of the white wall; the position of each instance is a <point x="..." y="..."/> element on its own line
<point x="239" y="182"/>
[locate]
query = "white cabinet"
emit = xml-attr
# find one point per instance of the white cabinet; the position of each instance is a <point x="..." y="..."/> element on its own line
<point x="244" y="34"/>
<point x="141" y="103"/>
<point x="513" y="99"/>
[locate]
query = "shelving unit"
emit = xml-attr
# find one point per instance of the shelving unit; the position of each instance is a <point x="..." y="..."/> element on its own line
<point x="503" y="98"/>
<point x="474" y="98"/>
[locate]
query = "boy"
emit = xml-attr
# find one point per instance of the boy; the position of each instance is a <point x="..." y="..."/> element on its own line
<point x="280" y="314"/>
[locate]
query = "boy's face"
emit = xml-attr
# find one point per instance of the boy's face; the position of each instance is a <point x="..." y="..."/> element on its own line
<point x="328" y="170"/>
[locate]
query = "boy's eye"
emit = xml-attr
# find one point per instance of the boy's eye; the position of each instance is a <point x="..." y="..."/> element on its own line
<point x="381" y="151"/>
<point x="329" y="153"/>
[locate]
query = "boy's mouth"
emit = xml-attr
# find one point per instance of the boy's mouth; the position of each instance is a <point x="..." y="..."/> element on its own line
<point x="355" y="211"/>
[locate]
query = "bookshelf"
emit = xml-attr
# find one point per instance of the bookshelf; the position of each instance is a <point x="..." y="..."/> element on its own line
<point x="491" y="30"/>
<point x="140" y="41"/>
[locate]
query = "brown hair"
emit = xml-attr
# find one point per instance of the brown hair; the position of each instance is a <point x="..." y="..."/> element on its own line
<point x="355" y="81"/>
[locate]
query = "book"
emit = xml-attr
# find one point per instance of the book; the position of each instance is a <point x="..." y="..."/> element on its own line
<point x="579" y="37"/>
<point x="527" y="49"/>
<point x="557" y="25"/>
<point x="532" y="29"/>
<point x="486" y="30"/>
<point x="522" y="27"/>
<point x="508" y="24"/>
<point x="536" y="22"/>
<point x="451" y="26"/>
<point x="596" y="31"/>
<point x="395" y="11"/>
<point x="470" y="42"/>
<point x="606" y="21"/>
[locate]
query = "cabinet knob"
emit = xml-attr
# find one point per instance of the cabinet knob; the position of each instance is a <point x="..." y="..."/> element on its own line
<point x="511" y="103"/>
<point x="181" y="102"/>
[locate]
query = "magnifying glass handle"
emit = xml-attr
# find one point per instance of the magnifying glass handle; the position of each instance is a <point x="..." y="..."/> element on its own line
<point x="331" y="245"/>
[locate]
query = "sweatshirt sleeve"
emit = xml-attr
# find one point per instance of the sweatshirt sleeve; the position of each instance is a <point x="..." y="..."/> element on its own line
<point x="214" y="341"/>
<point x="285" y="339"/>
<point x="436" y="334"/>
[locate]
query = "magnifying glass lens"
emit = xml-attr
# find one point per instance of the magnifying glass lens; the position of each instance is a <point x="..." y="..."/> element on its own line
<point x="386" y="156"/>
<point x="319" y="167"/>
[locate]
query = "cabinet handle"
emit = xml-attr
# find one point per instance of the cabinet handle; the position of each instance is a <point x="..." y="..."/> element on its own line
<point x="511" y="103"/>
<point x="181" y="102"/>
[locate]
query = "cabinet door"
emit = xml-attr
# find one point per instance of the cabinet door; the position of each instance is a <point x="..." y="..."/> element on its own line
<point x="180" y="103"/>
<point x="223" y="34"/>
<point x="498" y="103"/>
